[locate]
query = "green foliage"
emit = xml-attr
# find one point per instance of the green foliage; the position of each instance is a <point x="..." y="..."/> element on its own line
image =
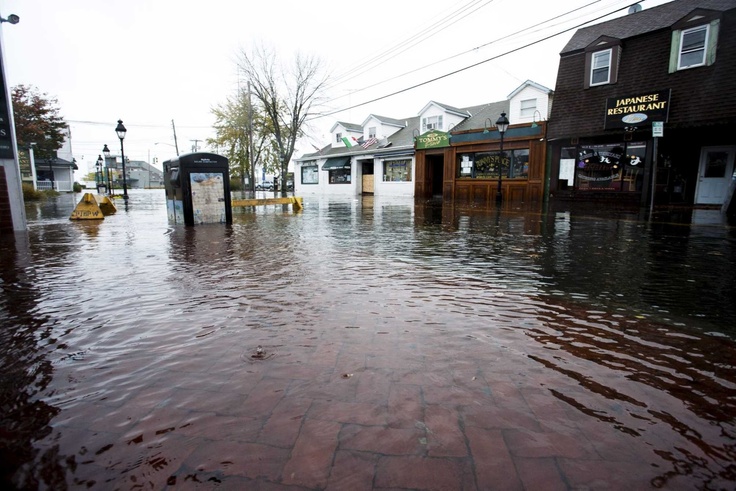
<point x="77" y="187"/>
<point x="37" y="120"/>
<point x="236" y="185"/>
<point x="233" y="122"/>
<point x="30" y="194"/>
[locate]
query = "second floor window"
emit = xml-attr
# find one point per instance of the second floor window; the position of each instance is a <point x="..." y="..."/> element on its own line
<point x="372" y="132"/>
<point x="338" y="137"/>
<point x="692" y="47"/>
<point x="528" y="107"/>
<point x="600" y="72"/>
<point x="432" y="123"/>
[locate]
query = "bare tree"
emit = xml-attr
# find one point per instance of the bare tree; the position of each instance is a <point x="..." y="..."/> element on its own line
<point x="286" y="95"/>
<point x="244" y="137"/>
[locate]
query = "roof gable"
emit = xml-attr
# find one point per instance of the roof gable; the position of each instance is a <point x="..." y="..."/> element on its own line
<point x="399" y="123"/>
<point x="449" y="109"/>
<point x="348" y="127"/>
<point x="696" y="18"/>
<point x="603" y="42"/>
<point x="529" y="83"/>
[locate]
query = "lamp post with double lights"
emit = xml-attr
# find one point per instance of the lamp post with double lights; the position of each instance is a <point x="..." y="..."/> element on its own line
<point x="121" y="131"/>
<point x="502" y="124"/>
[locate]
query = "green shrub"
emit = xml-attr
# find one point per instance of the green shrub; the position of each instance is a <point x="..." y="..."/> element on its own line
<point x="30" y="194"/>
<point x="236" y="185"/>
<point x="77" y="187"/>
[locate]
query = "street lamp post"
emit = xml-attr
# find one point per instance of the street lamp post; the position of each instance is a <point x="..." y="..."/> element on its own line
<point x="100" y="176"/>
<point x="106" y="153"/>
<point x="502" y="124"/>
<point x="121" y="131"/>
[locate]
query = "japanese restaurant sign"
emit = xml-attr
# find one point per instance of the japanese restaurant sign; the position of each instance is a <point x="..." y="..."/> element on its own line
<point x="637" y="110"/>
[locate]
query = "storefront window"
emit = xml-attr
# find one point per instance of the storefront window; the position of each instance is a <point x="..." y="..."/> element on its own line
<point x="340" y="176"/>
<point x="397" y="170"/>
<point x="310" y="175"/>
<point x="566" y="175"/>
<point x="612" y="167"/>
<point x="486" y="165"/>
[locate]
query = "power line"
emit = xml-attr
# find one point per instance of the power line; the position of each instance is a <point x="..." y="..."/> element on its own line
<point x="521" y="31"/>
<point x="134" y="125"/>
<point x="454" y="72"/>
<point x="415" y="39"/>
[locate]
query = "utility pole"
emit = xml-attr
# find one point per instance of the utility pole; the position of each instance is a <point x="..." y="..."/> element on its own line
<point x="250" y="142"/>
<point x="176" y="145"/>
<point x="195" y="147"/>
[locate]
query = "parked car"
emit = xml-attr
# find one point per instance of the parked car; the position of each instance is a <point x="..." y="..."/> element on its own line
<point x="264" y="186"/>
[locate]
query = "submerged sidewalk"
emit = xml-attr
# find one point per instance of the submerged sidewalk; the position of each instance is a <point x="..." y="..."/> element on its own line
<point x="375" y="407"/>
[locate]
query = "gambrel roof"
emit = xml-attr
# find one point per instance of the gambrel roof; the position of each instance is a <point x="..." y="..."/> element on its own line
<point x="647" y="20"/>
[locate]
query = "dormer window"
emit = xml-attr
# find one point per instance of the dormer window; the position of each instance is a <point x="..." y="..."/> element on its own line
<point x="372" y="132"/>
<point x="338" y="137"/>
<point x="694" y="40"/>
<point x="600" y="72"/>
<point x="432" y="123"/>
<point x="692" y="47"/>
<point x="601" y="62"/>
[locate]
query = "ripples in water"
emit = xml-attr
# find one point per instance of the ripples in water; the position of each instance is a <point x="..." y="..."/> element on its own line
<point x="114" y="331"/>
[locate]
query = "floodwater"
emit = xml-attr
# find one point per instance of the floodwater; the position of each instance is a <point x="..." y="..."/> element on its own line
<point x="131" y="349"/>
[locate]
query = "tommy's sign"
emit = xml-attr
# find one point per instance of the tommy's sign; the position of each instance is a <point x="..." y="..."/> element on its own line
<point x="433" y="139"/>
<point x="637" y="110"/>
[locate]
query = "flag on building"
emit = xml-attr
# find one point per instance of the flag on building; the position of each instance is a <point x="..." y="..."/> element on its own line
<point x="349" y="142"/>
<point x="369" y="142"/>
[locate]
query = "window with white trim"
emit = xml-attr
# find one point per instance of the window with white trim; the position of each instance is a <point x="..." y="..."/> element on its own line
<point x="432" y="123"/>
<point x="397" y="170"/>
<point x="528" y="107"/>
<point x="338" y="137"/>
<point x="692" y="47"/>
<point x="600" y="71"/>
<point x="310" y="174"/>
<point x="372" y="132"/>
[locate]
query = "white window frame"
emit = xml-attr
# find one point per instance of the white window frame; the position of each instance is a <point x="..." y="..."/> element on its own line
<point x="432" y="123"/>
<point x="338" y="137"/>
<point x="527" y="107"/>
<point x="594" y="57"/>
<point x="703" y="48"/>
<point x="372" y="132"/>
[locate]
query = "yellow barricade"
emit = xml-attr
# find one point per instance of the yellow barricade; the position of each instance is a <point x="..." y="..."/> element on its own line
<point x="93" y="207"/>
<point x="290" y="200"/>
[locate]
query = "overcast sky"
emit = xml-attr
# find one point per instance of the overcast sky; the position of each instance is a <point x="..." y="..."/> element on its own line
<point x="149" y="62"/>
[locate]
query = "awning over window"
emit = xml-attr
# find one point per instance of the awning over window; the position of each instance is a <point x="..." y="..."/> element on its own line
<point x="337" y="163"/>
<point x="396" y="153"/>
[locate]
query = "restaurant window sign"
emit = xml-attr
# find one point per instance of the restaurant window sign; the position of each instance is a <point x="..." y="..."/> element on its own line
<point x="637" y="109"/>
<point x="488" y="165"/>
<point x="611" y="167"/>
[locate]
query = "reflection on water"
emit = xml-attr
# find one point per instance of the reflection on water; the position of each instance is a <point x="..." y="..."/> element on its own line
<point x="111" y="328"/>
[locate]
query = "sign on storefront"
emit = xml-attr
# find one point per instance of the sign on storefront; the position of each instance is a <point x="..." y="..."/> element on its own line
<point x="637" y="109"/>
<point x="433" y="139"/>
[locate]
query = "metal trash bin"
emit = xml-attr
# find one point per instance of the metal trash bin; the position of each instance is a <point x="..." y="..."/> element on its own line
<point x="197" y="189"/>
